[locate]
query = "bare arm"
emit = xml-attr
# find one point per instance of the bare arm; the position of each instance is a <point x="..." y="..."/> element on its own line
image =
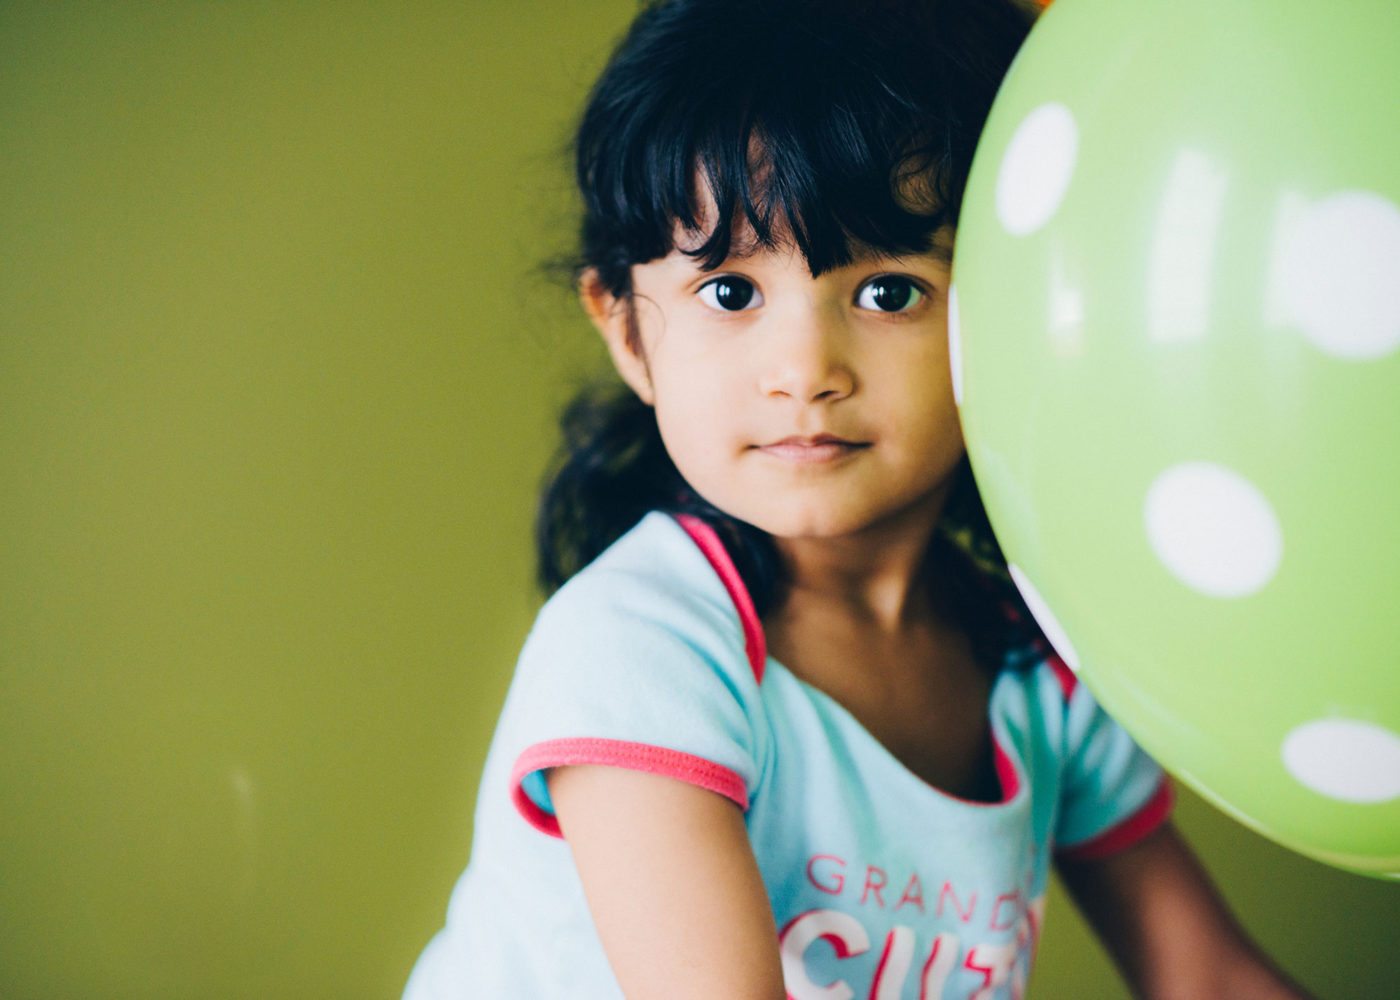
<point x="672" y="885"/>
<point x="1169" y="932"/>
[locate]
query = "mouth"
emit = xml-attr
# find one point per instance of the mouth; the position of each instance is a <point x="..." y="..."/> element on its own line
<point x="813" y="450"/>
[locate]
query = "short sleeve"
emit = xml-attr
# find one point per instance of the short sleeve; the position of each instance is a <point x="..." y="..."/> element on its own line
<point x="1112" y="793"/>
<point x="638" y="662"/>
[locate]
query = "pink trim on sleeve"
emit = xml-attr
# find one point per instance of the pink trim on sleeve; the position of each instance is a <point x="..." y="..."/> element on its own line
<point x="1127" y="833"/>
<point x="618" y="753"/>
<point x="709" y="543"/>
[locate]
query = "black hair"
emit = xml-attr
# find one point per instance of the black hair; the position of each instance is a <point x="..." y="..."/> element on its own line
<point x="836" y="125"/>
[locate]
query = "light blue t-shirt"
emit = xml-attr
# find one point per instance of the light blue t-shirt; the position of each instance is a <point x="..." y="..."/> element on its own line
<point x="882" y="886"/>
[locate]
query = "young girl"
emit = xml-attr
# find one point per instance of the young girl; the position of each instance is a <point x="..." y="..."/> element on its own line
<point x="785" y="730"/>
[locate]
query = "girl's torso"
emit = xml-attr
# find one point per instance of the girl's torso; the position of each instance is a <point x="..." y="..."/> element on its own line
<point x="878" y="879"/>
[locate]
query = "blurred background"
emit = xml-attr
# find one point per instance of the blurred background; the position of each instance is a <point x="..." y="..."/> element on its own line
<point x="279" y="367"/>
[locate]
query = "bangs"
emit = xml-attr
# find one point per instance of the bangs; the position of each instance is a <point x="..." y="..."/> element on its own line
<point x="779" y="187"/>
<point x="761" y="124"/>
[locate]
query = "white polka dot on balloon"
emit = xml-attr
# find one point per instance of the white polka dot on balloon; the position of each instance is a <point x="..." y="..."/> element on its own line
<point x="1345" y="759"/>
<point x="1045" y="618"/>
<point x="1338" y="274"/>
<point x="1213" y="529"/>
<point x="1037" y="168"/>
<point x="955" y="344"/>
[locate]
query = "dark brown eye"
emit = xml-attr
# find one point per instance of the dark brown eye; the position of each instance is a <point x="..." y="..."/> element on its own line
<point x="730" y="294"/>
<point x="889" y="293"/>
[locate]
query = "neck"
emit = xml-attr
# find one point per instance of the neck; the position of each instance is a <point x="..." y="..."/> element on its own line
<point x="878" y="575"/>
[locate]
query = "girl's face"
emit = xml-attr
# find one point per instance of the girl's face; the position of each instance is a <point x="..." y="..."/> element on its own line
<point x="809" y="407"/>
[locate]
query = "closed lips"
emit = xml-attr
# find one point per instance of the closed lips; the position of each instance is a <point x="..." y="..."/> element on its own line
<point x="818" y="448"/>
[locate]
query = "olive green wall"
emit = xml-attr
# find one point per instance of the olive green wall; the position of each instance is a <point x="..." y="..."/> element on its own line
<point x="277" y="376"/>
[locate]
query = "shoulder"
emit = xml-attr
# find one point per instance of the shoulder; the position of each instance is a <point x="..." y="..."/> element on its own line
<point x="1098" y="790"/>
<point x="657" y="552"/>
<point x="1038" y="681"/>
<point x="639" y="662"/>
<point x="654" y="585"/>
<point x="654" y="570"/>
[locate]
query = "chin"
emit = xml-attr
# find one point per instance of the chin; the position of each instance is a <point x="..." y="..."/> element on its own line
<point x="808" y="524"/>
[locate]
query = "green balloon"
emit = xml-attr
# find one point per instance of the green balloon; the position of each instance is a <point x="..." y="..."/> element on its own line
<point x="1177" y="313"/>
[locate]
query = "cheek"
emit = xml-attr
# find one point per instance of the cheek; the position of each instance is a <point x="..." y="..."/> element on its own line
<point x="918" y="382"/>
<point x="690" y="431"/>
<point x="927" y="414"/>
<point x="695" y="404"/>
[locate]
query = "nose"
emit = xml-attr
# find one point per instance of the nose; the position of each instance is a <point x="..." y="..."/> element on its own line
<point x="808" y="359"/>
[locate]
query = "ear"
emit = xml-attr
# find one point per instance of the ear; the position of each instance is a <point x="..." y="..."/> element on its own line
<point x="611" y="317"/>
